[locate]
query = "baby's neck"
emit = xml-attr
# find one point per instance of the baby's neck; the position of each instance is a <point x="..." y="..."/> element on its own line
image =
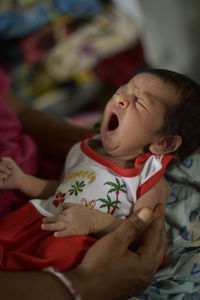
<point x="97" y="146"/>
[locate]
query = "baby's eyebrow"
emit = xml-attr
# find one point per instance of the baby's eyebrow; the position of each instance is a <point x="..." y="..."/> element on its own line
<point x="152" y="97"/>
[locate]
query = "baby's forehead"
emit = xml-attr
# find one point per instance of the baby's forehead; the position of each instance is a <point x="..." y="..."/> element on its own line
<point x="151" y="84"/>
<point x="146" y="77"/>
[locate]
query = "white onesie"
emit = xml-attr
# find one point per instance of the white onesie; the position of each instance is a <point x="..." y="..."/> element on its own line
<point x="96" y="182"/>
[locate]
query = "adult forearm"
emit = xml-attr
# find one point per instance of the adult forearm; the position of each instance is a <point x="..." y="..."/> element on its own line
<point x="43" y="285"/>
<point x="31" y="286"/>
<point x="54" y="136"/>
<point x="95" y="285"/>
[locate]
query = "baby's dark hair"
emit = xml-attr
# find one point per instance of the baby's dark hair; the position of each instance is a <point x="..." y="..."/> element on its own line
<point x="184" y="118"/>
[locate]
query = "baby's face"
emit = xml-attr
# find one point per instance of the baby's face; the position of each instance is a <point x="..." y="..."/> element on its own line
<point x="134" y="114"/>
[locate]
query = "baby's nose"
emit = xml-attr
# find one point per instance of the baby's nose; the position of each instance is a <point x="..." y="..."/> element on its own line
<point x="123" y="102"/>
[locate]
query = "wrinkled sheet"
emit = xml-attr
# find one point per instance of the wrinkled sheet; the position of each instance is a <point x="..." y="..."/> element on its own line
<point x="180" y="278"/>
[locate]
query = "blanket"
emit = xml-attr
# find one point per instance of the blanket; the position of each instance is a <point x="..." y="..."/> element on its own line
<point x="180" y="278"/>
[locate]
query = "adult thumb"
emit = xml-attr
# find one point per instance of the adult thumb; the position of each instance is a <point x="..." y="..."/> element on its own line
<point x="133" y="227"/>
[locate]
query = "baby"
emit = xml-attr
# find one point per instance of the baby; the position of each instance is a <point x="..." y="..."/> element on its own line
<point x="108" y="176"/>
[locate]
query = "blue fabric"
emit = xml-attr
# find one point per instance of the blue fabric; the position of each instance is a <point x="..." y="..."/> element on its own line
<point x="79" y="8"/>
<point x="18" y="23"/>
<point x="180" y="278"/>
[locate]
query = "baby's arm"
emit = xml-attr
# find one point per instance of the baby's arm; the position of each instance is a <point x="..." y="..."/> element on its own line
<point x="13" y="177"/>
<point x="76" y="219"/>
<point x="157" y="194"/>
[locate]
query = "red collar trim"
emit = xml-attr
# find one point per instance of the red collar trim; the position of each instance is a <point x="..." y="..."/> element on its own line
<point x="106" y="162"/>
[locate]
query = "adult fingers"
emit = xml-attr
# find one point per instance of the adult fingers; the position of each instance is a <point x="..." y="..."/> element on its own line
<point x="118" y="242"/>
<point x="159" y="211"/>
<point x="153" y="243"/>
<point x="132" y="228"/>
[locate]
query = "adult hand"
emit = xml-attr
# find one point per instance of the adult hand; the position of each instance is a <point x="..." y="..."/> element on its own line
<point x="110" y="270"/>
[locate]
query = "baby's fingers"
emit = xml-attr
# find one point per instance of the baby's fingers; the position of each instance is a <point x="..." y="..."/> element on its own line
<point x="48" y="220"/>
<point x="1" y="183"/>
<point x="54" y="223"/>
<point x="62" y="233"/>
<point x="53" y="226"/>
<point x="7" y="160"/>
<point x="3" y="176"/>
<point x="5" y="170"/>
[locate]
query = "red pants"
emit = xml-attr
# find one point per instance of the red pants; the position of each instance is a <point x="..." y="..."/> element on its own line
<point x="25" y="246"/>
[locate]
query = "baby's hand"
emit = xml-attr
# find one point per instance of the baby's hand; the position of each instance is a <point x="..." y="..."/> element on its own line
<point x="11" y="176"/>
<point x="74" y="219"/>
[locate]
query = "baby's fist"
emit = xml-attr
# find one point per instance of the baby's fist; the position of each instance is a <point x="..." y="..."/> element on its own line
<point x="11" y="175"/>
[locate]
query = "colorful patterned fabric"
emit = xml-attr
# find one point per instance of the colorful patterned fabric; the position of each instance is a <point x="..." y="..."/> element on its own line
<point x="19" y="22"/>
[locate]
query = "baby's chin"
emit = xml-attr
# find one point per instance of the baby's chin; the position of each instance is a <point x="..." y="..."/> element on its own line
<point x="115" y="153"/>
<point x="108" y="146"/>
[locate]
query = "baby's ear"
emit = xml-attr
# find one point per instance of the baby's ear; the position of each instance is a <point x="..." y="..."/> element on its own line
<point x="166" y="144"/>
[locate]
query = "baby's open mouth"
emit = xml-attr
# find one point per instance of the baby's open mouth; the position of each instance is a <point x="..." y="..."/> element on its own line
<point x="113" y="122"/>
